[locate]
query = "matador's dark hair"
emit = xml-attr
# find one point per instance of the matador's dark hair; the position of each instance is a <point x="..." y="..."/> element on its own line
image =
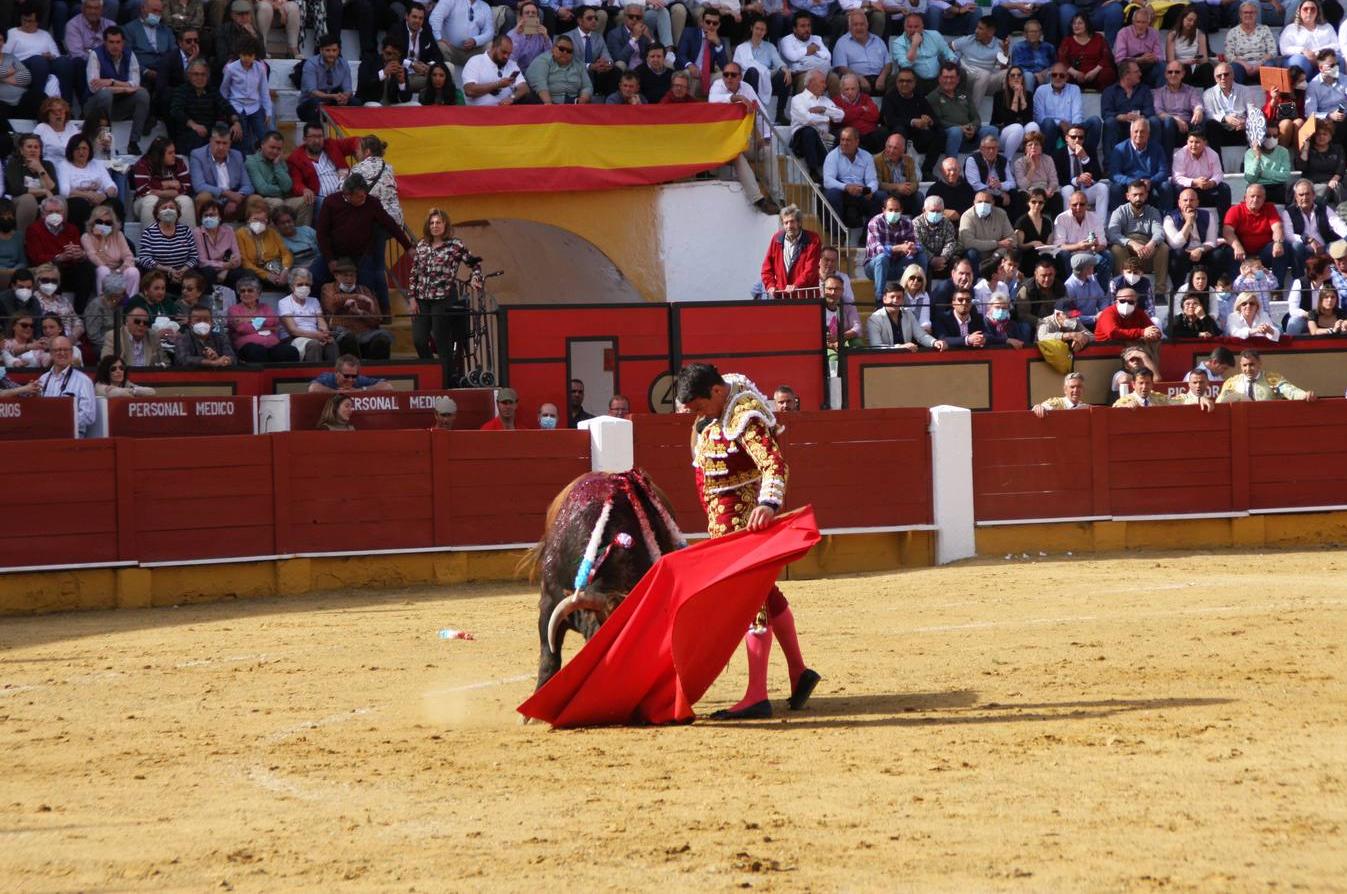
<point x="696" y="381"/>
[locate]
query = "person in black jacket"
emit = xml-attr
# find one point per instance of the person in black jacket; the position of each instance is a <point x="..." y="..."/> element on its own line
<point x="195" y="108"/>
<point x="417" y="48"/>
<point x="959" y="326"/>
<point x="384" y="80"/>
<point x="907" y="112"/>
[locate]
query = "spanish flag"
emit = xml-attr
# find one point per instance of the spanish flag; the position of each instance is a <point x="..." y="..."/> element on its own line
<point x="452" y="150"/>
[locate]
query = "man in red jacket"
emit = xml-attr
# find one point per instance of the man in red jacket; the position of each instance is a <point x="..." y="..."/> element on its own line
<point x="53" y="239"/>
<point x="319" y="166"/>
<point x="792" y="258"/>
<point x="1124" y="320"/>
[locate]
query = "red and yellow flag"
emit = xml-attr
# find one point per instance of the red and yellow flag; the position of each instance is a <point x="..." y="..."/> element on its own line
<point x="452" y="150"/>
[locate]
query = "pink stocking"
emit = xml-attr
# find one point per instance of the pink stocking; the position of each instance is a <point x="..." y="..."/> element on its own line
<point x="759" y="649"/>
<point x="783" y="625"/>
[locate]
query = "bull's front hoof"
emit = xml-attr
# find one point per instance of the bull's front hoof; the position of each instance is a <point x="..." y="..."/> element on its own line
<point x="757" y="711"/>
<point x="803" y="688"/>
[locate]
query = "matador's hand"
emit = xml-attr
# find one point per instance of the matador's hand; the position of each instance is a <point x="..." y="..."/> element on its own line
<point x="761" y="517"/>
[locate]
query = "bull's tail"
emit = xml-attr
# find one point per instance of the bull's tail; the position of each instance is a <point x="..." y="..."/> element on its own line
<point x="527" y="566"/>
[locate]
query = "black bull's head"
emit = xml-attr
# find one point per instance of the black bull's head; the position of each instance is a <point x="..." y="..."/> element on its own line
<point x="637" y="529"/>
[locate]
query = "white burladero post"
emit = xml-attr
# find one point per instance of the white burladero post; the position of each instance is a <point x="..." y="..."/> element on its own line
<point x="612" y="444"/>
<point x="952" y="483"/>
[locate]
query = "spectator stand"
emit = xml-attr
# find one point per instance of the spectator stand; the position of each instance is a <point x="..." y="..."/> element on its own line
<point x="376" y="410"/>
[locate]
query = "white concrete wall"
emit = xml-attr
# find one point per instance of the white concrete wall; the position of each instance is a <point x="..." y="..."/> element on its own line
<point x="712" y="241"/>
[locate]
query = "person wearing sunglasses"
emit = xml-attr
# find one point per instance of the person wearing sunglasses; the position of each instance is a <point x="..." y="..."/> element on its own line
<point x="139" y="346"/>
<point x="558" y="78"/>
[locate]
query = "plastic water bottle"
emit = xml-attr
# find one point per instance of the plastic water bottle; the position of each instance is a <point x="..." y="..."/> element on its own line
<point x="451" y="633"/>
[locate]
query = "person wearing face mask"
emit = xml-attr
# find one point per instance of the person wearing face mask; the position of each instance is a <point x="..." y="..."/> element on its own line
<point x="1124" y="320"/>
<point x="353" y="312"/>
<point x="1000" y="329"/>
<point x="162" y="173"/>
<point x="217" y="248"/>
<point x="263" y="251"/>
<point x="547" y="417"/>
<point x="984" y="229"/>
<point x="303" y="320"/>
<point x="106" y="247"/>
<point x="19" y="298"/>
<point x="1131" y="277"/>
<point x="937" y="235"/>
<point x="1268" y="165"/>
<point x="52" y="301"/>
<point x="891" y="244"/>
<point x="55" y="240"/>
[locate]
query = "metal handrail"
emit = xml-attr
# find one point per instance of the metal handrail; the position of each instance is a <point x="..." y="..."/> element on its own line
<point x="834" y="230"/>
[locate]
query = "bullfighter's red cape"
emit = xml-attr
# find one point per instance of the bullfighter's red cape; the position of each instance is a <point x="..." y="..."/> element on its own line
<point x="664" y="646"/>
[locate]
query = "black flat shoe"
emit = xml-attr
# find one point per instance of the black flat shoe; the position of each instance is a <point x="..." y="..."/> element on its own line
<point x="757" y="711"/>
<point x="804" y="687"/>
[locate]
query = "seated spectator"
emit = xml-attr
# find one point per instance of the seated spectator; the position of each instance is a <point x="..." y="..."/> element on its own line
<point x="915" y="296"/>
<point x="890" y="244"/>
<point x="384" y="81"/>
<point x="270" y="178"/>
<point x="841" y="322"/>
<point x="984" y="229"/>
<point x="29" y="178"/>
<point x="619" y="407"/>
<point x="1194" y="321"/>
<point x="1302" y="39"/>
<point x="301" y="240"/>
<point x="1013" y="112"/>
<point x="218" y="172"/>
<point x="84" y="182"/>
<point x="547" y="417"/>
<point x="303" y="320"/>
<point x="219" y="300"/>
<point x="19" y="95"/>
<point x="1138" y="158"/>
<point x="864" y="55"/>
<point x="1085" y="296"/>
<point x="1322" y="163"/>
<point x="1186" y="45"/>
<point x="1225" y="108"/>
<point x="110" y="380"/>
<point x="18" y="297"/>
<point x="764" y="69"/>
<point x="162" y="308"/>
<point x="1251" y="45"/>
<point x="1073" y="392"/>
<point x="680" y="89"/>
<point x="55" y="240"/>
<point x="150" y="41"/>
<point x="906" y="111"/>
<point x="1017" y="16"/>
<point x="983" y="59"/>
<point x="1143" y="393"/>
<point x="1040" y="292"/>
<point x="494" y="79"/>
<point x="158" y="174"/>
<point x="895" y="325"/>
<point x="1000" y="329"/>
<point x="336" y="415"/>
<point x="1327" y="318"/>
<point x="107" y="249"/>
<point x="1140" y="43"/>
<point x="1135" y="230"/>
<point x="288" y="15"/>
<point x="1079" y="171"/>
<point x="1000" y="275"/>
<point x="52" y="327"/>
<point x="54" y="128"/>
<point x="860" y="113"/>
<point x="1284" y="110"/>
<point x="1126" y="102"/>
<point x="628" y="40"/>
<point x="803" y="51"/>
<point x="1131" y="276"/>
<point x="1253" y="227"/>
<point x="11" y="242"/>
<point x="1033" y="56"/>
<point x="1193" y="237"/>
<point x="24" y="349"/>
<point x="1087" y="56"/>
<point x="1255" y="278"/>
<point x="1310" y="225"/>
<point x="83" y="33"/>
<point x="1033" y="231"/>
<point x="1135" y="358"/>
<point x="1179" y="108"/>
<point x="417" y="48"/>
<point x="100" y="317"/>
<point x="261" y="247"/>
<point x="956" y="114"/>
<point x="139" y="348"/>
<point x="1124" y="320"/>
<point x="345" y="376"/>
<point x="439" y="89"/>
<point x="38" y="51"/>
<point x="1036" y="172"/>
<point x="827" y="266"/>
<point x="62" y="380"/>
<point x="559" y="78"/>
<point x="1268" y="166"/>
<point x="786" y="267"/>
<point x="1252" y="383"/>
<point x="812" y="114"/>
<point x="320" y="166"/>
<point x="253" y="328"/>
<point x="897" y="173"/>
<point x="656" y="76"/>
<point x="987" y="170"/>
<point x="1317" y="275"/>
<point x="173" y="73"/>
<point x="218" y="257"/>
<point x="114" y="86"/>
<point x="353" y="313"/>
<point x="51" y="302"/>
<point x="592" y="51"/>
<point x="937" y="236"/>
<point x="1198" y="167"/>
<point x="1060" y="325"/>
<point x="850" y="180"/>
<point x="531" y="38"/>
<point x="326" y="79"/>
<point x="961" y="276"/>
<point x="952" y="189"/>
<point x="194" y="110"/>
<point x="959" y="326"/>
<point x="507" y="403"/>
<point x="168" y="246"/>
<point x="244" y="86"/>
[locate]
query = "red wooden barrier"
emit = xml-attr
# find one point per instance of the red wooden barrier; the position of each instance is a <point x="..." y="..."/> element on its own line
<point x="35" y="418"/>
<point x="1295" y="453"/>
<point x="360" y="490"/>
<point x="195" y="498"/>
<point x="176" y="417"/>
<point x="663" y="447"/>
<point x="495" y="487"/>
<point x="379" y="410"/>
<point x="1167" y="460"/>
<point x="1026" y="467"/>
<point x="73" y="516"/>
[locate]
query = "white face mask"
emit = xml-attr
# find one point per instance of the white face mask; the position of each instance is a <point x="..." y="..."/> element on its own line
<point x="982" y="209"/>
<point x="210" y="223"/>
<point x="301" y="292"/>
<point x="1132" y="278"/>
<point x="169" y="215"/>
<point x="23" y="294"/>
<point x="103" y="229"/>
<point x="201" y="329"/>
<point x="346" y="286"/>
<point x="1332" y="72"/>
<point x="1126" y="307"/>
<point x="257" y="227"/>
<point x="49" y="288"/>
<point x="892" y="217"/>
<point x="54" y="220"/>
<point x="933" y="217"/>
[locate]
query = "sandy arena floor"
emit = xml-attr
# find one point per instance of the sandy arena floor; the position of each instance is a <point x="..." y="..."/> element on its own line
<point x="1159" y="722"/>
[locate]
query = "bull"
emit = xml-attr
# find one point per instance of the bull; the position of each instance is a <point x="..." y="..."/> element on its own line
<point x="602" y="534"/>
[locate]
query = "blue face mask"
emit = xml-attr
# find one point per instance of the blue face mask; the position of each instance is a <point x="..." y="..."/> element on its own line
<point x="547" y="422"/>
<point x="933" y="217"/>
<point x="999" y="314"/>
<point x="152" y="20"/>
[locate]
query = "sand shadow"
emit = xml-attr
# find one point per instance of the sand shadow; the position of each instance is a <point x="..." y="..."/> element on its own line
<point x="954" y="708"/>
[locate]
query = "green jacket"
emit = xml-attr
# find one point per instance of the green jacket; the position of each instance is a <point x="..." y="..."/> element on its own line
<point x="954" y="111"/>
<point x="1269" y="168"/>
<point x="270" y="179"/>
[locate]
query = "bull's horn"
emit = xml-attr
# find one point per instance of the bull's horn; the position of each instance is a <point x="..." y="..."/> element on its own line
<point x="572" y="603"/>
